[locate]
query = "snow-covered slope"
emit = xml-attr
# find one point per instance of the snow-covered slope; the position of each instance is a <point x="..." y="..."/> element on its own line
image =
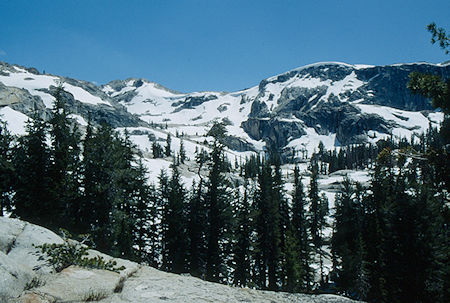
<point x="336" y="103"/>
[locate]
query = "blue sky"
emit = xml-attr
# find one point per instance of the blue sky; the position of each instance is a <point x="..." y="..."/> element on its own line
<point x="213" y="45"/>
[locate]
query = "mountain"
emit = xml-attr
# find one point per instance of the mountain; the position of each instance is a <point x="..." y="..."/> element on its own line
<point x="333" y="103"/>
<point x="336" y="103"/>
<point x="26" y="278"/>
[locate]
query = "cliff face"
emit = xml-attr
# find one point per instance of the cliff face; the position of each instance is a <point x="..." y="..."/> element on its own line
<point x="339" y="99"/>
<point x="25" y="278"/>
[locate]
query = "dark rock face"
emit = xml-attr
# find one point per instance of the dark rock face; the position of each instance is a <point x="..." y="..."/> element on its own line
<point x="297" y="99"/>
<point x="237" y="144"/>
<point x="21" y="100"/>
<point x="381" y="85"/>
<point x="259" y="110"/>
<point x="126" y="97"/>
<point x="388" y="85"/>
<point x="274" y="132"/>
<point x="116" y="115"/>
<point x="192" y="102"/>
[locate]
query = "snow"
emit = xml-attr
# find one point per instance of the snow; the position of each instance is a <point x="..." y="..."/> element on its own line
<point x="311" y="141"/>
<point x="33" y="83"/>
<point x="79" y="119"/>
<point x="436" y="118"/>
<point x="154" y="167"/>
<point x="84" y="96"/>
<point x="416" y="63"/>
<point x="408" y="122"/>
<point x="15" y="120"/>
<point x="349" y="83"/>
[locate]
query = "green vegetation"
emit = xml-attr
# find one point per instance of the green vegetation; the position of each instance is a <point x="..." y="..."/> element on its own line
<point x="61" y="256"/>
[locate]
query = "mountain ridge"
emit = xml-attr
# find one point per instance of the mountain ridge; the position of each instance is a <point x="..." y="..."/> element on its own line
<point x="353" y="104"/>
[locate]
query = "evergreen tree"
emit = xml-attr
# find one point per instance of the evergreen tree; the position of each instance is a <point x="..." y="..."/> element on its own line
<point x="300" y="230"/>
<point x="157" y="150"/>
<point x="86" y="216"/>
<point x="243" y="242"/>
<point x="314" y="200"/>
<point x="162" y="201"/>
<point x="196" y="229"/>
<point x="346" y="242"/>
<point x="32" y="187"/>
<point x="167" y="150"/>
<point x="267" y="259"/>
<point x="317" y="213"/>
<point x="292" y="263"/>
<point x="6" y="169"/>
<point x="251" y="167"/>
<point x="145" y="237"/>
<point x="433" y="86"/>
<point x="175" y="236"/>
<point x="197" y="220"/>
<point x="283" y="210"/>
<point x="102" y="169"/>
<point x="64" y="164"/>
<point x="219" y="213"/>
<point x="375" y="226"/>
<point x="133" y="200"/>
<point x="182" y="152"/>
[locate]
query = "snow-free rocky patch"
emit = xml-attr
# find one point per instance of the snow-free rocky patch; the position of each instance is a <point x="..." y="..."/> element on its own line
<point x="25" y="279"/>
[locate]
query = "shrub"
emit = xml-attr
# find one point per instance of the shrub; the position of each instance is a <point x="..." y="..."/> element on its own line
<point x="61" y="256"/>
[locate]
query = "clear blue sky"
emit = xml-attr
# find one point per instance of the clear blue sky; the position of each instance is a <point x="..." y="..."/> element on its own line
<point x="213" y="45"/>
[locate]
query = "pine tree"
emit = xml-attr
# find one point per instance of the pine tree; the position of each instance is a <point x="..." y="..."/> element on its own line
<point x="219" y="213"/>
<point x="175" y="238"/>
<point x="314" y="200"/>
<point x="133" y="192"/>
<point x="6" y="169"/>
<point x="101" y="186"/>
<point x="197" y="220"/>
<point x="267" y="259"/>
<point x="182" y="152"/>
<point x="145" y="237"/>
<point x="243" y="245"/>
<point x="162" y="202"/>
<point x="85" y="219"/>
<point x="376" y="228"/>
<point x="347" y="246"/>
<point x="167" y="150"/>
<point x="64" y="164"/>
<point x="196" y="230"/>
<point x="283" y="210"/>
<point x="32" y="187"/>
<point x="292" y="263"/>
<point x="157" y="150"/>
<point x="300" y="229"/>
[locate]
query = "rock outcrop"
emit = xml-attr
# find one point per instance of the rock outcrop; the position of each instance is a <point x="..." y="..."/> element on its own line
<point x="25" y="279"/>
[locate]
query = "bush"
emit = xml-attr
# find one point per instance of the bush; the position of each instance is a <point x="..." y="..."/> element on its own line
<point x="61" y="256"/>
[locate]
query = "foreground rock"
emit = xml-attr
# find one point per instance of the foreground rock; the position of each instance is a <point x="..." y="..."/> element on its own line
<point x="25" y="278"/>
<point x="151" y="285"/>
